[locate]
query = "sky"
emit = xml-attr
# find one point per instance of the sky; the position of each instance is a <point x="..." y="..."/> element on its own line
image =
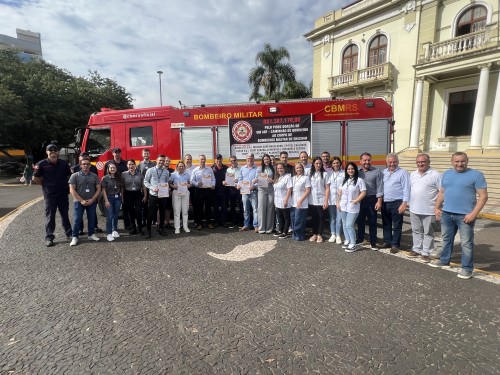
<point x="205" y="48"/>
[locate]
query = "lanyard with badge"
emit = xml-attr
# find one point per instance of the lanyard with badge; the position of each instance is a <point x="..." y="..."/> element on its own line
<point x="86" y="178"/>
<point x="117" y="195"/>
<point x="133" y="180"/>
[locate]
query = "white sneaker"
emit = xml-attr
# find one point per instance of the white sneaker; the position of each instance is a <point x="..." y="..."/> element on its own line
<point x="177" y="231"/>
<point x="94" y="238"/>
<point x="187" y="230"/>
<point x="110" y="237"/>
<point x="74" y="241"/>
<point x="332" y="238"/>
<point x="115" y="234"/>
<point x="338" y="240"/>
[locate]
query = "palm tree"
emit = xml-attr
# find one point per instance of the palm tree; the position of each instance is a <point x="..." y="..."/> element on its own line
<point x="271" y="73"/>
<point x="297" y="90"/>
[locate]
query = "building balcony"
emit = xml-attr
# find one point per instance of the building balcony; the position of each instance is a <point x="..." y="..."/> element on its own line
<point x="372" y="76"/>
<point x="460" y="46"/>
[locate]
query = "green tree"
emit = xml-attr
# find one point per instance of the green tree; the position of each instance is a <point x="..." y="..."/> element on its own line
<point x="271" y="73"/>
<point x="40" y="102"/>
<point x="296" y="90"/>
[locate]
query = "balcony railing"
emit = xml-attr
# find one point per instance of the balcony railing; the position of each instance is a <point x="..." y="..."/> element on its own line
<point x="457" y="46"/>
<point x="364" y="77"/>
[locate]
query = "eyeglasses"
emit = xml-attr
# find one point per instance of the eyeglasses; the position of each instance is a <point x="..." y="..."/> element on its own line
<point x="421" y="162"/>
<point x="85" y="164"/>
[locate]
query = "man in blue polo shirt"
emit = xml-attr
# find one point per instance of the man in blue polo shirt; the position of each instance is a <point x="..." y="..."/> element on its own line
<point x="457" y="207"/>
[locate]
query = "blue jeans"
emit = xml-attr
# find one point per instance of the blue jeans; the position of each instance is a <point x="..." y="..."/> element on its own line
<point x="78" y="216"/>
<point x="392" y="222"/>
<point x="299" y="218"/>
<point x="367" y="210"/>
<point x="112" y="214"/>
<point x="250" y="205"/>
<point x="450" y="224"/>
<point x="348" y="220"/>
<point x="335" y="220"/>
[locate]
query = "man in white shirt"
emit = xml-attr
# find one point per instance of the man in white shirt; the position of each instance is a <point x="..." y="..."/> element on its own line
<point x="425" y="184"/>
<point x="203" y="179"/>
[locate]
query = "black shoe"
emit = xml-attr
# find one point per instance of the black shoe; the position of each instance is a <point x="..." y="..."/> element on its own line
<point x="162" y="233"/>
<point x="169" y="226"/>
<point x="384" y="246"/>
<point x="82" y="233"/>
<point x="141" y="233"/>
<point x="394" y="249"/>
<point x="133" y="232"/>
<point x="49" y="243"/>
<point x="148" y="234"/>
<point x="98" y="230"/>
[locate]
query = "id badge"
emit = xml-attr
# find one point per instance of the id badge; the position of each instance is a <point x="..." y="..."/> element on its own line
<point x="117" y="196"/>
<point x="133" y="187"/>
<point x="87" y="190"/>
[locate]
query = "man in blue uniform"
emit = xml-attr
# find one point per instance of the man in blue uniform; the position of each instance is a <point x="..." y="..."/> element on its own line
<point x="53" y="175"/>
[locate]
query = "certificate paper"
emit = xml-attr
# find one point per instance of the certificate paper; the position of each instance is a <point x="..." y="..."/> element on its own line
<point x="262" y="180"/>
<point x="229" y="179"/>
<point x="163" y="190"/>
<point x="182" y="188"/>
<point x="206" y="181"/>
<point x="245" y="187"/>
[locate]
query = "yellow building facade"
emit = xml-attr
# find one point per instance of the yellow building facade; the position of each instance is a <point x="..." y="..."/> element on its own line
<point x="436" y="61"/>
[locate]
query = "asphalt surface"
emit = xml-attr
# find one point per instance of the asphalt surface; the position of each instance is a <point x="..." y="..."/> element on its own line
<point x="224" y="302"/>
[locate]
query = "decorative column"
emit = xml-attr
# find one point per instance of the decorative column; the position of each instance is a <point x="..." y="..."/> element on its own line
<point x="494" y="141"/>
<point x="480" y="111"/>
<point x="417" y="115"/>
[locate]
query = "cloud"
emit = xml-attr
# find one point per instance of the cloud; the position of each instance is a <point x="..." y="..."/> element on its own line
<point x="204" y="47"/>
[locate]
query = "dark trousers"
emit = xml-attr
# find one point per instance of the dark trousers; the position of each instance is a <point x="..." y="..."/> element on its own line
<point x="283" y="215"/>
<point x="367" y="210"/>
<point x="235" y="201"/>
<point x="318" y="219"/>
<point x="220" y="205"/>
<point x="52" y="204"/>
<point x="203" y="203"/>
<point x="132" y="201"/>
<point x="392" y="222"/>
<point x="155" y="204"/>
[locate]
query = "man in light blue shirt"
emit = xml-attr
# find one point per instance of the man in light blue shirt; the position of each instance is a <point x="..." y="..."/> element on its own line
<point x="459" y="187"/>
<point x="203" y="180"/>
<point x="248" y="174"/>
<point x="396" y="198"/>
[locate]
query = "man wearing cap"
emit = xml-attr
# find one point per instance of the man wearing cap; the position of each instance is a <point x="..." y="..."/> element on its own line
<point x="220" y="193"/>
<point x="53" y="173"/>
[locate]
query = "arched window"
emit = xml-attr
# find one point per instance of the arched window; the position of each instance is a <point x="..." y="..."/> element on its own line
<point x="350" y="59"/>
<point x="377" y="53"/>
<point x="472" y="20"/>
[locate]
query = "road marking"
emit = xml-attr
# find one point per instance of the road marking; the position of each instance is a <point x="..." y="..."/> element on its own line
<point x="7" y="219"/>
<point x="247" y="251"/>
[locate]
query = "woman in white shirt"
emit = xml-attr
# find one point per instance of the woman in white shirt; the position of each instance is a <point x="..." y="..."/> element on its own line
<point x="318" y="199"/>
<point x="352" y="191"/>
<point x="335" y="180"/>
<point x="301" y="188"/>
<point x="282" y="199"/>
<point x="265" y="196"/>
<point x="179" y="182"/>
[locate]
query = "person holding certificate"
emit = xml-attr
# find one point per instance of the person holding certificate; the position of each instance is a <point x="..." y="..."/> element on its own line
<point x="179" y="182"/>
<point x="248" y="190"/>
<point x="301" y="188"/>
<point x="266" y="195"/>
<point x="203" y="179"/>
<point x="156" y="180"/>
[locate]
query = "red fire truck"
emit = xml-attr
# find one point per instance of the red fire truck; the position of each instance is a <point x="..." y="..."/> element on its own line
<point x="345" y="128"/>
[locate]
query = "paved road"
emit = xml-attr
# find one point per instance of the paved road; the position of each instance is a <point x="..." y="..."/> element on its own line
<point x="167" y="306"/>
<point x="14" y="195"/>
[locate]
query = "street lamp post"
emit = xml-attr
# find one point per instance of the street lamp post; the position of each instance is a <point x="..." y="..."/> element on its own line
<point x="159" y="78"/>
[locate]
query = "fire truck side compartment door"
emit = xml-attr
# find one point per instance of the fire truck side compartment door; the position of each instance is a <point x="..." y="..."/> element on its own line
<point x="371" y="136"/>
<point x="326" y="136"/>
<point x="196" y="141"/>
<point x="223" y="141"/>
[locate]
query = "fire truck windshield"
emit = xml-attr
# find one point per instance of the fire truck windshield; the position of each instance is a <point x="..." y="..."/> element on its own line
<point x="98" y="141"/>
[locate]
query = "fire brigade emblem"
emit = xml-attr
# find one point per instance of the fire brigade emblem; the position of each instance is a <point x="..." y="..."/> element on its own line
<point x="242" y="131"/>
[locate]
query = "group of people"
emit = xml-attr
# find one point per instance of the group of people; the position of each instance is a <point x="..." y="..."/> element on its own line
<point x="273" y="198"/>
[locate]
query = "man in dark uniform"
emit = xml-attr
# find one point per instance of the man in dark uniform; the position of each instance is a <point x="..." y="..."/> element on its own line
<point x="220" y="192"/>
<point x="53" y="175"/>
<point x="76" y="168"/>
<point x="143" y="167"/>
